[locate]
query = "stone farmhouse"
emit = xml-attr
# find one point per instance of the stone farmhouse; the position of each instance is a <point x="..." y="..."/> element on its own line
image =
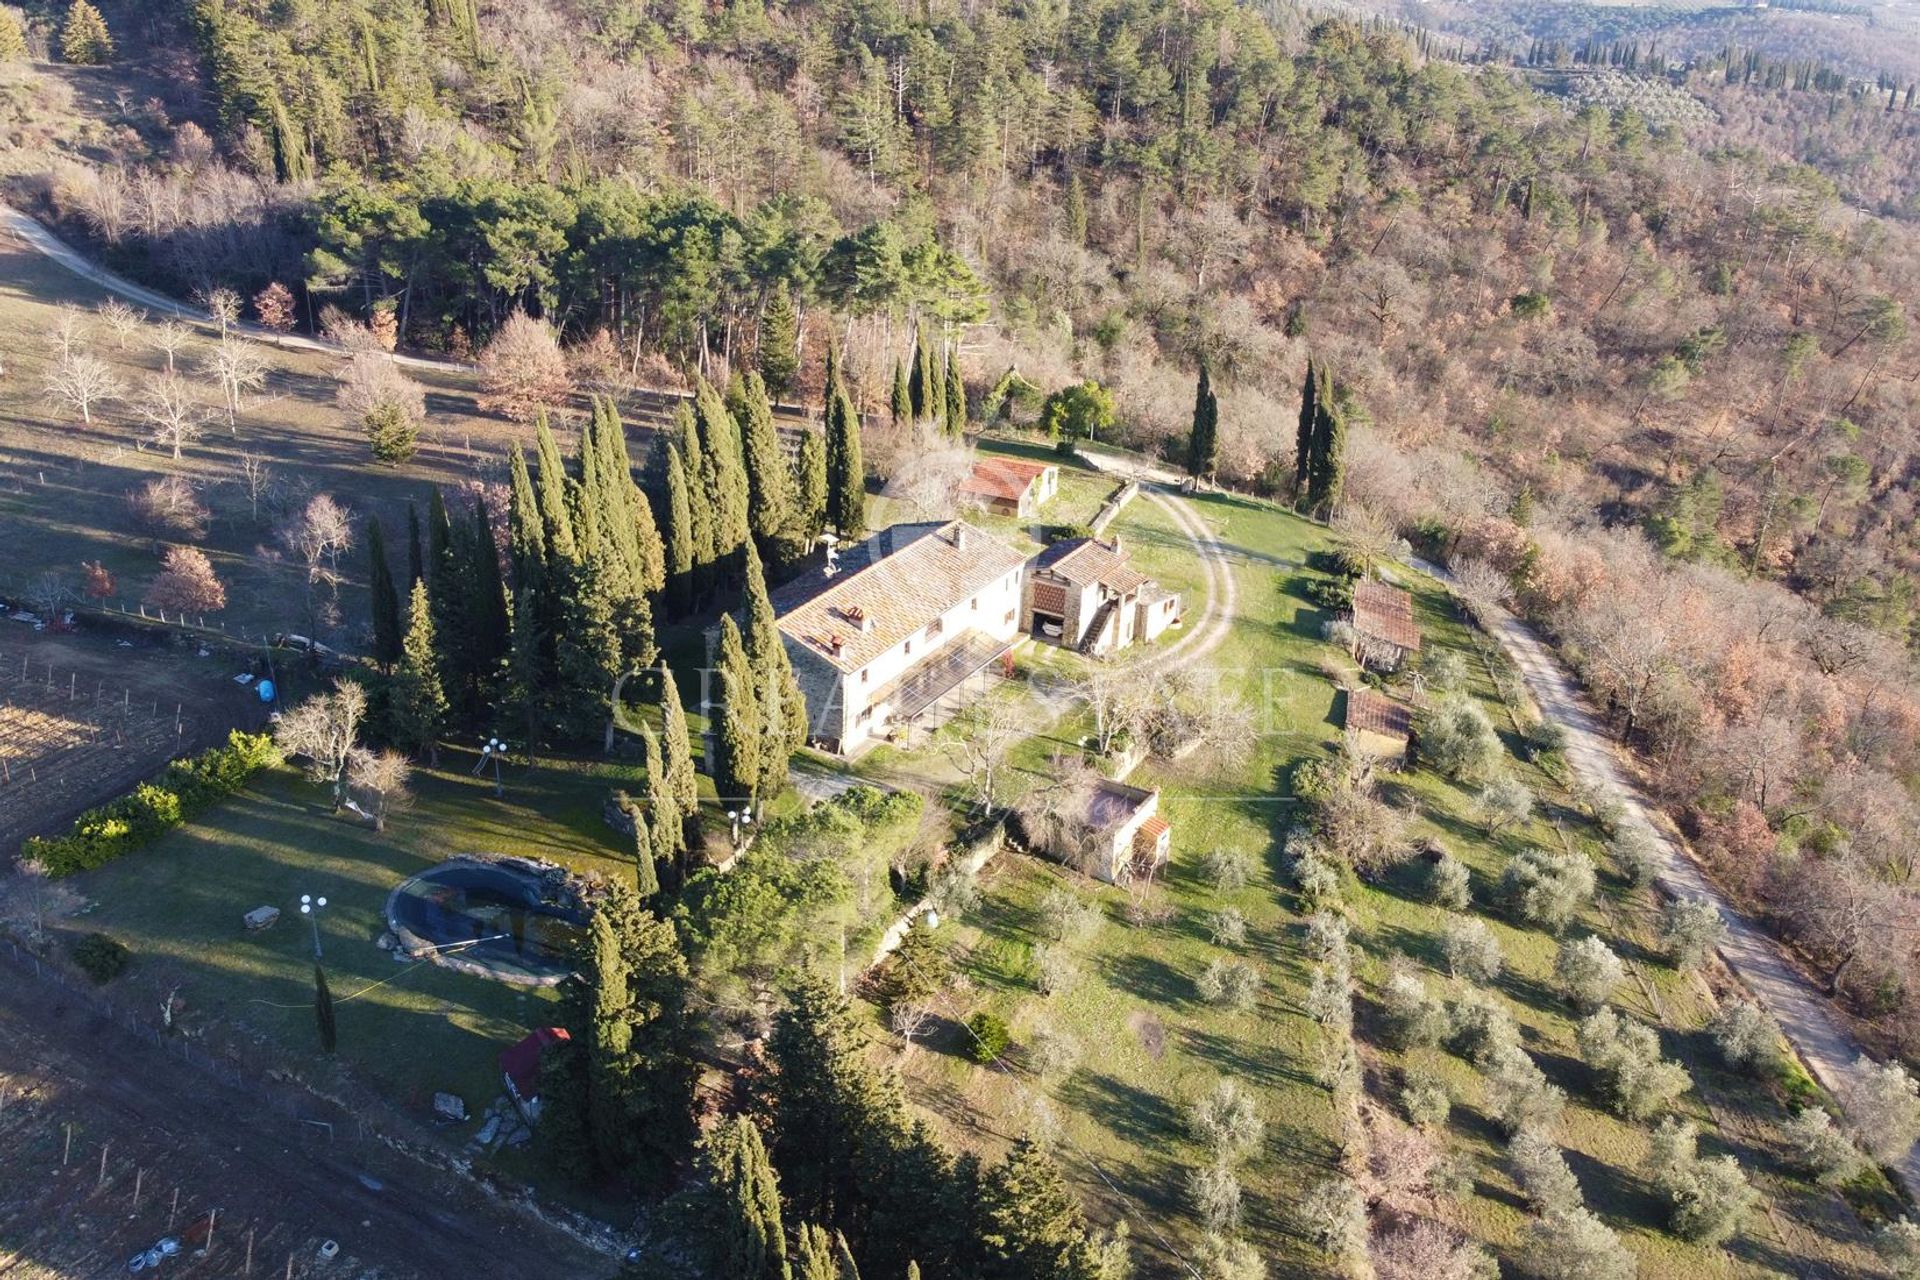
<point x="1379" y="724"/>
<point x="1384" y="634"/>
<point x="1083" y="594"/>
<point x="1009" y="487"/>
<point x="899" y="629"/>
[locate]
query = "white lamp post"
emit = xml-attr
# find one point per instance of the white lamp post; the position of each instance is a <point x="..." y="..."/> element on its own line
<point x="740" y="818"/>
<point x="310" y="908"/>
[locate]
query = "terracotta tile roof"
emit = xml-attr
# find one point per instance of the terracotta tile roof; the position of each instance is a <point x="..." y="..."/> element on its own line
<point x="888" y="587"/>
<point x="1370" y="711"/>
<point x="1084" y="560"/>
<point x="1003" y="478"/>
<point x="1151" y="830"/>
<point x="1385" y="613"/>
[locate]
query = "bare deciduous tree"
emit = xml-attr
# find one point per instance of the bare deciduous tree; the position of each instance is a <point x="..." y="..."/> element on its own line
<point x="174" y="416"/>
<point x="324" y="731"/>
<point x="169" y="339"/>
<point x="1481" y="587"/>
<point x="238" y="367"/>
<point x="123" y="320"/>
<point x="223" y="304"/>
<point x="983" y="736"/>
<point x="371" y="380"/>
<point x="378" y="780"/>
<point x="168" y="508"/>
<point x="81" y="383"/>
<point x="522" y="370"/>
<point x="29" y="897"/>
<point x="257" y="479"/>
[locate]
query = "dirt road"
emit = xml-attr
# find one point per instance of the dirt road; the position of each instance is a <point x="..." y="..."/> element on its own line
<point x="65" y="1214"/>
<point x="1804" y="1012"/>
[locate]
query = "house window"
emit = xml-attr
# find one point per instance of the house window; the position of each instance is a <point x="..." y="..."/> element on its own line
<point x="909" y="649"/>
<point x="935" y="627"/>
<point x="1009" y="615"/>
<point x="863" y="675"/>
<point x="974" y="604"/>
<point x="866" y="714"/>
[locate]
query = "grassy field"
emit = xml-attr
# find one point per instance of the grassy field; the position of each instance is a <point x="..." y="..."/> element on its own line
<point x="177" y="906"/>
<point x="1151" y="1045"/>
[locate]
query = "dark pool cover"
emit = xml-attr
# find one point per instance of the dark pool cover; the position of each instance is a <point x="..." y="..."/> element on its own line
<point x="491" y="917"/>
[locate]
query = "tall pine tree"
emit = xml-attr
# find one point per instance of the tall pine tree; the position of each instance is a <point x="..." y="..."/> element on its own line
<point x="416" y="702"/>
<point x="385" y="599"/>
<point x="1203" y="440"/>
<point x="779" y="343"/>
<point x="1031" y="1226"/>
<point x="846" y="472"/>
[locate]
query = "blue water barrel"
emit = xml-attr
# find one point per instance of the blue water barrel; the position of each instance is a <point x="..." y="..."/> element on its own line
<point x="266" y="690"/>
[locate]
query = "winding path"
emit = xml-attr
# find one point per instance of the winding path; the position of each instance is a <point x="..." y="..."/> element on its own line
<point x="1804" y="1012"/>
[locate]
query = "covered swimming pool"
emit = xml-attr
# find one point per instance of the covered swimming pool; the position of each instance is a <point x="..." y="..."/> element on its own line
<point x="510" y="919"/>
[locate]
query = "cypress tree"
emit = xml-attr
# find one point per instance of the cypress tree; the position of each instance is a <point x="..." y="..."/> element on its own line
<point x="417" y="705"/>
<point x="1203" y="441"/>
<point x="825" y="1095"/>
<point x="527" y="666"/>
<point x="449" y="593"/>
<point x="769" y="481"/>
<point x="750" y="1242"/>
<point x="587" y="650"/>
<point x="810" y="486"/>
<point x="491" y="625"/>
<point x="783" y="711"/>
<point x="385" y="600"/>
<point x="901" y="401"/>
<point x="816" y="1255"/>
<point x="646" y="880"/>
<point x="738" y="736"/>
<point x="556" y="519"/>
<point x="936" y="389"/>
<point x="564" y="1136"/>
<point x="843" y="1258"/>
<point x="323" y="1010"/>
<point x="666" y="825"/>
<point x="1328" y="480"/>
<point x="1304" y="437"/>
<point x="699" y="500"/>
<point x="679" y="542"/>
<point x="609" y="1038"/>
<point x="1076" y="210"/>
<point x="956" y="414"/>
<point x="416" y="559"/>
<point x="913" y="1271"/>
<point x="846" y="472"/>
<point x="664" y="1072"/>
<point x="919" y="381"/>
<point x="526" y="535"/>
<point x="726" y="477"/>
<point x="779" y="343"/>
<point x="677" y="743"/>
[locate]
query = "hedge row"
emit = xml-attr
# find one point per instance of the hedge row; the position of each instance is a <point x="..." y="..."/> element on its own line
<point x="186" y="788"/>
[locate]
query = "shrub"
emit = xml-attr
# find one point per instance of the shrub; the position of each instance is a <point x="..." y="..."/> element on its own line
<point x="990" y="1036"/>
<point x="1317" y="878"/>
<point x="1519" y="1095"/>
<point x="1444" y="670"/>
<point x="1333" y="1214"/>
<point x="1746" y="1035"/>
<point x="1820" y="1148"/>
<point x="1478" y="1025"/>
<point x="1545" y="738"/>
<point x="1588" y="972"/>
<point x="1215" y="1194"/>
<point x="1689" y="929"/>
<point x="1882" y="1102"/>
<point x="101" y="958"/>
<point x="1227" y="927"/>
<point x="1327" y="935"/>
<point x="1220" y="1258"/>
<point x="1542" y="1172"/>
<point x="1898" y="1244"/>
<point x="1471" y="949"/>
<point x="1330" y="996"/>
<point x="1227" y="1122"/>
<point x="1706" y="1198"/>
<point x="1055" y="970"/>
<point x="1068" y="917"/>
<point x="1636" y="856"/>
<point x="184" y="789"/>
<point x="1546" y="889"/>
<point x="1573" y="1244"/>
<point x="1449" y="883"/>
<point x="1414" y="1018"/>
<point x="1426" y="1100"/>
<point x="1503" y="802"/>
<point x="1234" y="984"/>
<point x="1639" y="1083"/>
<point x="1053" y="1053"/>
<point x="1227" y="870"/>
<point x="1458" y="740"/>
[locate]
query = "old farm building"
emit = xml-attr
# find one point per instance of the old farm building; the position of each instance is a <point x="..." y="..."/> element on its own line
<point x="908" y="619"/>
<point x="1009" y="487"/>
<point x="1084" y="594"/>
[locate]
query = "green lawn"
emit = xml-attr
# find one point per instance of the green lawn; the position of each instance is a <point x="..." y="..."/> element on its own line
<point x="1151" y="1045"/>
<point x="177" y="906"/>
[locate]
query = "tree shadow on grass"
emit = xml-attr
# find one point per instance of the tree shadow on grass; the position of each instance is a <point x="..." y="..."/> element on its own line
<point x="1419" y="945"/>
<point x="1133" y="1114"/>
<point x="1151" y="980"/>
<point x="1233" y="1057"/>
<point x="1616" y="1193"/>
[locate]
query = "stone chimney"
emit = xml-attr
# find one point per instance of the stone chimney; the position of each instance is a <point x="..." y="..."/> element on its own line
<point x="1115" y="544"/>
<point x="959" y="536"/>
